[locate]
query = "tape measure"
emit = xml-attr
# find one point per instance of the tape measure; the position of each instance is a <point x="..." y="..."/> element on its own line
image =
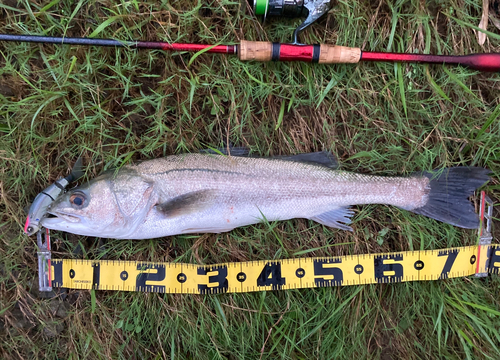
<point x="238" y="277"/>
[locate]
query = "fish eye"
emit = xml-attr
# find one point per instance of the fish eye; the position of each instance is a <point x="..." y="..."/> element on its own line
<point x="77" y="200"/>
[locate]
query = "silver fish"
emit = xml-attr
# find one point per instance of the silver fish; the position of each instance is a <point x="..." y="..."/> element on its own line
<point x="207" y="193"/>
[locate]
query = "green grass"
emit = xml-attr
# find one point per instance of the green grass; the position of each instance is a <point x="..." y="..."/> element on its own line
<point x="111" y="105"/>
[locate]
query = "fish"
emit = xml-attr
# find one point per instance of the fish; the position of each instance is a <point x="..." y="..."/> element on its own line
<point x="216" y="193"/>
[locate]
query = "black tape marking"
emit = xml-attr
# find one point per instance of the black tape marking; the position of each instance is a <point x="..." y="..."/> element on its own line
<point x="142" y="278"/>
<point x="276" y="51"/>
<point x="450" y="260"/>
<point x="57" y="266"/>
<point x="271" y="276"/>
<point x="319" y="269"/>
<point x="358" y="269"/>
<point x="220" y="279"/>
<point x="381" y="268"/>
<point x="124" y="275"/>
<point x="96" y="275"/>
<point x="493" y="261"/>
<point x="300" y="273"/>
<point x="419" y="265"/>
<point x="316" y="53"/>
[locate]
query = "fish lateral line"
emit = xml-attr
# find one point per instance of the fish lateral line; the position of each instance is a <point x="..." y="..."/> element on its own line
<point x="195" y="170"/>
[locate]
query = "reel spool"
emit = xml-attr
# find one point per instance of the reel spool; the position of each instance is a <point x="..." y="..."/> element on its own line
<point x="312" y="9"/>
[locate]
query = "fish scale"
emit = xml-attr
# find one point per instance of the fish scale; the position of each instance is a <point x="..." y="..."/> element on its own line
<point x="282" y="177"/>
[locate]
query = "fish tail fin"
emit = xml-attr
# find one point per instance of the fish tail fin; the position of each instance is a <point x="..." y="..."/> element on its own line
<point x="448" y="196"/>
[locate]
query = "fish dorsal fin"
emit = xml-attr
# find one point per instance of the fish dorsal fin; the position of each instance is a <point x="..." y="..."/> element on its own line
<point x="331" y="218"/>
<point x="188" y="203"/>
<point x="229" y="151"/>
<point x="323" y="158"/>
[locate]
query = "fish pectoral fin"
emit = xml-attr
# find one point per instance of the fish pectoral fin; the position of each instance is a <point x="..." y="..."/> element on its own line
<point x="331" y="218"/>
<point x="323" y="158"/>
<point x="188" y="203"/>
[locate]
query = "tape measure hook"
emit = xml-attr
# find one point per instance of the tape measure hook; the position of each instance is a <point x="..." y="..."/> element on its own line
<point x="44" y="261"/>
<point x="484" y="232"/>
<point x="486" y="215"/>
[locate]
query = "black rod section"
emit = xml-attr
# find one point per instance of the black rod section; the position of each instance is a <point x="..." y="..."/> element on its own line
<point x="67" y="40"/>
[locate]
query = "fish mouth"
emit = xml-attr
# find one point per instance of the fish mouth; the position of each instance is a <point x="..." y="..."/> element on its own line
<point x="64" y="216"/>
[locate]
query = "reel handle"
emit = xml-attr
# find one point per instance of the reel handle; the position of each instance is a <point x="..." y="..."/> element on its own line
<point x="312" y="9"/>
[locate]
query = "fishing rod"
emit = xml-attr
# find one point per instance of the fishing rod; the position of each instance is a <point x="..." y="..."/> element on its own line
<point x="295" y="51"/>
<point x="269" y="51"/>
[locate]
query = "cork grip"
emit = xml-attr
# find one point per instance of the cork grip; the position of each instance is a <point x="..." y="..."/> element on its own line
<point x="332" y="54"/>
<point x="255" y="50"/>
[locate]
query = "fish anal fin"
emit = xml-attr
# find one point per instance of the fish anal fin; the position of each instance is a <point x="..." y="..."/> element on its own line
<point x="333" y="218"/>
<point x="322" y="158"/>
<point x="188" y="203"/>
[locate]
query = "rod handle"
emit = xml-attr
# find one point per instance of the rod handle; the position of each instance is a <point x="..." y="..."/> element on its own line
<point x="333" y="54"/>
<point x="323" y="54"/>
<point x="255" y="50"/>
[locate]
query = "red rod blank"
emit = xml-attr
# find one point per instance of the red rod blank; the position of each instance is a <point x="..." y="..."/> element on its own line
<point x="221" y="49"/>
<point x="481" y="62"/>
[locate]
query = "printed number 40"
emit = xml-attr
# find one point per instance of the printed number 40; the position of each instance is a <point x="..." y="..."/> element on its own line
<point x="271" y="276"/>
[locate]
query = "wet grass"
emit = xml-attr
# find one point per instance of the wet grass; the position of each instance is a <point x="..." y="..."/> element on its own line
<point x="115" y="105"/>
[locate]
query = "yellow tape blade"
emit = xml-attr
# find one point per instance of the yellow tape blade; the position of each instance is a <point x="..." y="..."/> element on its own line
<point x="276" y="274"/>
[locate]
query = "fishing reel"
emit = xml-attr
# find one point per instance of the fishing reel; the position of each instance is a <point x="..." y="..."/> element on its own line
<point x="312" y="9"/>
